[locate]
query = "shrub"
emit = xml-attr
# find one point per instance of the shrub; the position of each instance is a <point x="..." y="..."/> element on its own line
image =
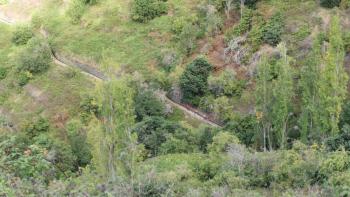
<point x="3" y="73"/>
<point x="146" y="10"/>
<point x="89" y="105"/>
<point x="346" y="39"/>
<point x="223" y="108"/>
<point x="341" y="140"/>
<point x="76" y="10"/>
<point x="35" y="58"/>
<point x="273" y="29"/>
<point x="194" y="80"/>
<point x="174" y="145"/>
<point x="23" y="78"/>
<point x="337" y="162"/>
<point x="206" y="169"/>
<point x="345" y="4"/>
<point x="22" y="35"/>
<point x="222" y="141"/>
<point x="77" y="141"/>
<point x="205" y="137"/>
<point x="146" y="104"/>
<point x="243" y="26"/>
<point x="255" y="36"/>
<point x="187" y="38"/>
<point x="179" y="23"/>
<point x="36" y="127"/>
<point x="244" y="128"/>
<point x="89" y="1"/>
<point x="329" y="3"/>
<point x="154" y="131"/>
<point x="226" y="84"/>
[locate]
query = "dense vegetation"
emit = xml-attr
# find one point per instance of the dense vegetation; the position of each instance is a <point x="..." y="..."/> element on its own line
<point x="272" y="75"/>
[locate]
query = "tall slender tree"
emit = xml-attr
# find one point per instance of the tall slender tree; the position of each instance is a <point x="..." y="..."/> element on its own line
<point x="333" y="79"/>
<point x="309" y="85"/>
<point x="274" y="90"/>
<point x="264" y="100"/>
<point x="282" y="94"/>
<point x="116" y="152"/>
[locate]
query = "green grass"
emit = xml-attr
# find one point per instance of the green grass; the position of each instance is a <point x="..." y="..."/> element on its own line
<point x="106" y="32"/>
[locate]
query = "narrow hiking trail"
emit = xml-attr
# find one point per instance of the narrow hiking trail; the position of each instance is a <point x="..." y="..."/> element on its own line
<point x="97" y="75"/>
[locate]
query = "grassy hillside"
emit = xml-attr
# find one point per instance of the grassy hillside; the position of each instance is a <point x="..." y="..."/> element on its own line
<point x="270" y="76"/>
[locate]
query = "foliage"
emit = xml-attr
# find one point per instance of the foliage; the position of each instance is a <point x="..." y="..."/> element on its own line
<point x="23" y="162"/>
<point x="76" y="10"/>
<point x="22" y="35"/>
<point x="187" y="38"/>
<point x="194" y="80"/>
<point x="78" y="142"/>
<point x="226" y="84"/>
<point x="243" y="27"/>
<point x="146" y="10"/>
<point x="330" y="3"/>
<point x="336" y="162"/>
<point x="244" y="128"/>
<point x="146" y="104"/>
<point x="88" y="106"/>
<point x="3" y="73"/>
<point x="346" y="38"/>
<point x="309" y="85"/>
<point x="223" y="108"/>
<point x="154" y="131"/>
<point x="341" y="140"/>
<point x="222" y="141"/>
<point x="333" y="80"/>
<point x="206" y="135"/>
<point x="36" y="127"/>
<point x="35" y="58"/>
<point x="344" y="118"/>
<point x="273" y="29"/>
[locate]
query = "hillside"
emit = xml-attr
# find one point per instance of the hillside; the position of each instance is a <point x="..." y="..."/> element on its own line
<point x="174" y="98"/>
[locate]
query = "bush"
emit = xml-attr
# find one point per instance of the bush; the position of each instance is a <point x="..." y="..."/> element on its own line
<point x="77" y="141"/>
<point x="36" y="127"/>
<point x="222" y="141"/>
<point x="194" y="80"/>
<point x="244" y="128"/>
<point x="187" y="38"/>
<point x="226" y="84"/>
<point x="243" y="26"/>
<point x="146" y="104"/>
<point x="76" y="10"/>
<point x="341" y="140"/>
<point x="23" y="78"/>
<point x="337" y="162"/>
<point x="273" y="29"/>
<point x="329" y="3"/>
<point x="3" y="73"/>
<point x="205" y="137"/>
<point x="146" y="10"/>
<point x="206" y="169"/>
<point x="345" y="4"/>
<point x="174" y="145"/>
<point x="346" y="39"/>
<point x="35" y="58"/>
<point x="22" y="35"/>
<point x="154" y="131"/>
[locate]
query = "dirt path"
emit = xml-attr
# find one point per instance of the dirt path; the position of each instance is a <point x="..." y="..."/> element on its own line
<point x="97" y="75"/>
